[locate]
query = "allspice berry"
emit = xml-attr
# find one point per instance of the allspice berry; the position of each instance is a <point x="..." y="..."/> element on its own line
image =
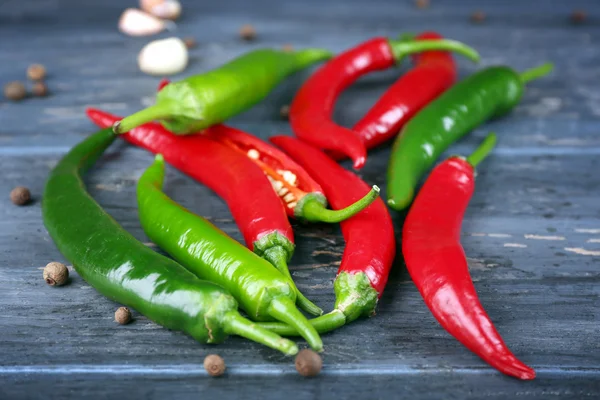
<point x="39" y="89"/>
<point x="308" y="363"/>
<point x="578" y="17"/>
<point x="36" y="72"/>
<point x="189" y="42"/>
<point x="56" y="274"/>
<point x="422" y="3"/>
<point x="123" y="315"/>
<point x="247" y="32"/>
<point x="20" y="196"/>
<point x="15" y="91"/>
<point x="287" y="48"/>
<point x="214" y="365"/>
<point x="284" y="111"/>
<point x="478" y="17"/>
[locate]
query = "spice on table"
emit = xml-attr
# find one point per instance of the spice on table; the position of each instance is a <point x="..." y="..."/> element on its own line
<point x="433" y="73"/>
<point x="284" y="111"/>
<point x="214" y="365"/>
<point x="248" y="32"/>
<point x="261" y="217"/>
<point x="39" y="89"/>
<point x="478" y="17"/>
<point x="312" y="108"/>
<point x="200" y="101"/>
<point x="123" y="315"/>
<point x="263" y="292"/>
<point x="36" y="72"/>
<point x="437" y="264"/>
<point x="422" y="4"/>
<point x="56" y="274"/>
<point x="308" y="363"/>
<point x="369" y="236"/>
<point x="287" y="47"/>
<point x="578" y="17"/>
<point x="20" y="196"/>
<point x="489" y="93"/>
<point x="125" y="270"/>
<point x="15" y="91"/>
<point x="190" y="42"/>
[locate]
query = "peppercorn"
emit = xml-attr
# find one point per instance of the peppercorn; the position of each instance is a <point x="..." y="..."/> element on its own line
<point x="478" y="17"/>
<point x="123" y="315"/>
<point x="308" y="363"/>
<point x="578" y="16"/>
<point x="20" y="196"/>
<point x="287" y="47"/>
<point x="189" y="42"/>
<point x="422" y="3"/>
<point x="56" y="274"/>
<point x="39" y="89"/>
<point x="247" y="32"/>
<point x="284" y="111"/>
<point x="15" y="91"/>
<point x="36" y="72"/>
<point x="214" y="365"/>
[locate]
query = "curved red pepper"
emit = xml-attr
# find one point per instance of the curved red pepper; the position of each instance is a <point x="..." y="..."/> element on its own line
<point x="370" y="243"/>
<point x="433" y="73"/>
<point x="437" y="264"/>
<point x="257" y="214"/>
<point x="311" y="109"/>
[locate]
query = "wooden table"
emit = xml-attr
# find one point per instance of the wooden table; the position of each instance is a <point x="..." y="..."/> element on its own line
<point x="532" y="231"/>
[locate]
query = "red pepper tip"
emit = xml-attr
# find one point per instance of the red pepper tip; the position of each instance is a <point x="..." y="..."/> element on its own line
<point x="359" y="162"/>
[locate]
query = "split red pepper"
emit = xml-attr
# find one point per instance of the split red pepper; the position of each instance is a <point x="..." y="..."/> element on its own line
<point x="370" y="243"/>
<point x="433" y="73"/>
<point x="437" y="264"/>
<point x="311" y="109"/>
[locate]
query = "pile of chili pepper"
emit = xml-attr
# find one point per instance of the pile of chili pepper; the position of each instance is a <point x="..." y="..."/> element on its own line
<point x="264" y="187"/>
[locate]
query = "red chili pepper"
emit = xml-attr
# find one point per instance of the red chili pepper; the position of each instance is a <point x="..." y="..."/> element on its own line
<point x="369" y="235"/>
<point x="433" y="73"/>
<point x="310" y="112"/>
<point x="437" y="264"/>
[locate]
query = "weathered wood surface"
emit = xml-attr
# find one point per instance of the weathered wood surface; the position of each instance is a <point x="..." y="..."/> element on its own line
<point x="532" y="231"/>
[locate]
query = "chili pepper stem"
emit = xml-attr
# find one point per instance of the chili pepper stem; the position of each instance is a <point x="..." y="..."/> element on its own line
<point x="277" y="256"/>
<point x="536" y="73"/>
<point x="402" y="48"/>
<point x="483" y="150"/>
<point x="148" y="114"/>
<point x="282" y="309"/>
<point x="313" y="211"/>
<point x="325" y="323"/>
<point x="234" y="324"/>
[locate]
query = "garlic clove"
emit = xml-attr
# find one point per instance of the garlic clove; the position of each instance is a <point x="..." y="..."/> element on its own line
<point x="148" y="5"/>
<point x="169" y="9"/>
<point x="163" y="57"/>
<point x="134" y="22"/>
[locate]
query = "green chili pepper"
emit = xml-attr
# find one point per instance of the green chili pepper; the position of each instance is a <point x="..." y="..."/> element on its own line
<point x="264" y="293"/>
<point x="123" y="269"/>
<point x="203" y="100"/>
<point x="489" y="93"/>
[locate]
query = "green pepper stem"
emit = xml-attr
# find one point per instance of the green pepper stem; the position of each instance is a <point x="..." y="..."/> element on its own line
<point x="324" y="323"/>
<point x="277" y="256"/>
<point x="536" y="73"/>
<point x="402" y="47"/>
<point x="234" y="324"/>
<point x="313" y="211"/>
<point x="483" y="150"/>
<point x="282" y="309"/>
<point x="307" y="57"/>
<point x="156" y="111"/>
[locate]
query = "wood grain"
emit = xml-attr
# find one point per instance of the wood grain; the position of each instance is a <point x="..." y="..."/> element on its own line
<point x="541" y="182"/>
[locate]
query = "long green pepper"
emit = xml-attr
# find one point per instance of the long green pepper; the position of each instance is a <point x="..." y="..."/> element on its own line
<point x="203" y="100"/>
<point x="264" y="293"/>
<point x="489" y="93"/>
<point x="125" y="270"/>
